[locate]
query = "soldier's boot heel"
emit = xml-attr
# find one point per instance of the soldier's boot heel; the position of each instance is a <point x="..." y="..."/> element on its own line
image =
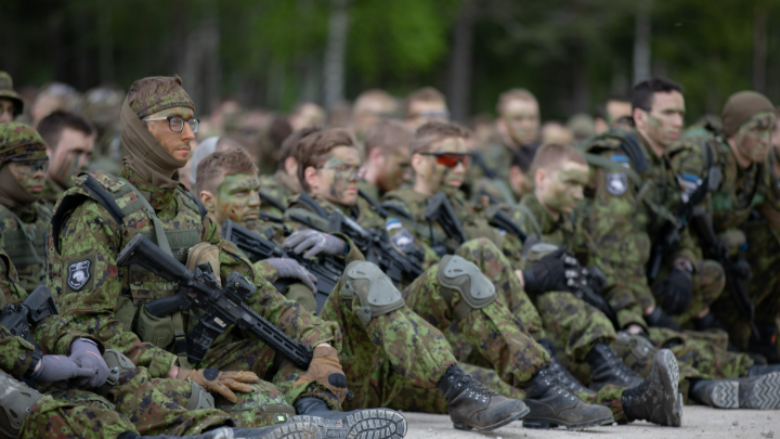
<point x="760" y="392"/>
<point x="473" y="406"/>
<point x="657" y="400"/>
<point x="375" y="423"/>
<point x="608" y="368"/>
<point x="553" y="405"/>
<point x="566" y="379"/>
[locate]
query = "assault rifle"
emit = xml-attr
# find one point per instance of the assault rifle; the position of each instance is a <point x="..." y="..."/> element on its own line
<point x="19" y="319"/>
<point x="440" y="210"/>
<point x="502" y="220"/>
<point x="272" y="201"/>
<point x="328" y="269"/>
<point x="737" y="272"/>
<point x="222" y="307"/>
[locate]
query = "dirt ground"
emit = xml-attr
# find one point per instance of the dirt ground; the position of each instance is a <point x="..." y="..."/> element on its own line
<point x="698" y="422"/>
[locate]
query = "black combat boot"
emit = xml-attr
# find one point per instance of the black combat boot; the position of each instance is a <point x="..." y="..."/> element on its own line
<point x="607" y="368"/>
<point x="566" y="379"/>
<point x="552" y="405"/>
<point x="288" y="430"/>
<point x="473" y="406"/>
<point x="379" y="423"/>
<point x="761" y="392"/>
<point x="656" y="400"/>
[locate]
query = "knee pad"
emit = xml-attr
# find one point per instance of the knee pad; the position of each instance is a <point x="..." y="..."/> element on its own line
<point x="201" y="399"/>
<point x="458" y="274"/>
<point x="376" y="292"/>
<point x="16" y="399"/>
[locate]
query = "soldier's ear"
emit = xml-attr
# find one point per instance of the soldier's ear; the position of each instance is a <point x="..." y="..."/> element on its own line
<point x="209" y="200"/>
<point x="312" y="177"/>
<point x="539" y="177"/>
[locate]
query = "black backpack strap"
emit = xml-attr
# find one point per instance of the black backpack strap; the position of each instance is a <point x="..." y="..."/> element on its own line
<point x="394" y="208"/>
<point x="630" y="145"/>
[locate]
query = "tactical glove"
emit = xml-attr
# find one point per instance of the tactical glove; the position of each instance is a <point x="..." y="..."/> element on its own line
<point x="59" y="368"/>
<point x="549" y="274"/>
<point x="290" y="268"/>
<point x="224" y="383"/>
<point x="657" y="319"/>
<point x="677" y="291"/>
<point x="326" y="369"/>
<point x="86" y="354"/>
<point x="315" y="242"/>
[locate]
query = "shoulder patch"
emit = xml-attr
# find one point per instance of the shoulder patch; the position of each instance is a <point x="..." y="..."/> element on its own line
<point x="78" y="274"/>
<point x="617" y="183"/>
<point x="623" y="160"/>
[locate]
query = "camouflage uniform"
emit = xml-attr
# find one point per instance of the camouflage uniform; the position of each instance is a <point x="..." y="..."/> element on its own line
<point x="22" y="233"/>
<point x="489" y="174"/>
<point x="619" y="223"/>
<point x="52" y="191"/>
<point x="738" y="192"/>
<point x="280" y="186"/>
<point x="86" y="236"/>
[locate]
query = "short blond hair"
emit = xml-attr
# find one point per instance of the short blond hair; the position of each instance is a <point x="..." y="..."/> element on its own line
<point x="552" y="156"/>
<point x="426" y="94"/>
<point x="515" y="94"/>
<point x="434" y="131"/>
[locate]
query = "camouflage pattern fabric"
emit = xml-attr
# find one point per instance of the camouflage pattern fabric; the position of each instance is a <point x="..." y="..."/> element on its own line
<point x="52" y="191"/>
<point x="28" y="257"/>
<point x="158" y="101"/>
<point x="20" y="141"/>
<point x="7" y="92"/>
<point x="280" y="186"/>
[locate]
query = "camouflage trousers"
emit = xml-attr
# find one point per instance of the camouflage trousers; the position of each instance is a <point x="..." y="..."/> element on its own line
<point x="391" y="352"/>
<point x="74" y="414"/>
<point x="763" y="256"/>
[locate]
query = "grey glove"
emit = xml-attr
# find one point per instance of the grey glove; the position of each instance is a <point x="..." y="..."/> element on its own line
<point x="59" y="368"/>
<point x="315" y="242"/>
<point x="86" y="354"/>
<point x="290" y="268"/>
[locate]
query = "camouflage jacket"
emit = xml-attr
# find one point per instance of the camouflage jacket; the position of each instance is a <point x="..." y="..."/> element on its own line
<point x="99" y="297"/>
<point x="26" y="246"/>
<point x="631" y="195"/>
<point x="52" y="191"/>
<point x="280" y="187"/>
<point x="489" y="173"/>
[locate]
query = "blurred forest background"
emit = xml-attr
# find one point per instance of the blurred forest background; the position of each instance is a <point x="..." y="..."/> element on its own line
<point x="275" y="53"/>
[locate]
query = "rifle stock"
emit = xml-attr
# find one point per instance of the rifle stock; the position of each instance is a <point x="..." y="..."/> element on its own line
<point x="19" y="319"/>
<point x="440" y="210"/>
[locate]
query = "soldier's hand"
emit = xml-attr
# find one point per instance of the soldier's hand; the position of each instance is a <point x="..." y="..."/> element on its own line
<point x="676" y="291"/>
<point x="326" y="369"/>
<point x="549" y="274"/>
<point x="290" y="268"/>
<point x="59" y="369"/>
<point x="86" y="354"/>
<point x="224" y="383"/>
<point x="315" y="242"/>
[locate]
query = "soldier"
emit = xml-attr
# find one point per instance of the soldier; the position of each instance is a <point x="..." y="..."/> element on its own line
<point x="277" y="189"/>
<point x="52" y="97"/>
<point x="386" y="166"/>
<point x="624" y="225"/>
<point x="733" y="165"/>
<point x="11" y="105"/>
<point x="424" y="105"/>
<point x="518" y="124"/>
<point x="24" y="217"/>
<point x="306" y="115"/>
<point x="94" y="221"/>
<point x="613" y="110"/>
<point x="69" y="143"/>
<point x="371" y="106"/>
<point x="429" y="296"/>
<point x="387" y="347"/>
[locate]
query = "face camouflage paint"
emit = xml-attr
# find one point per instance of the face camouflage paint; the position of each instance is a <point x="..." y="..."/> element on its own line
<point x="238" y="199"/>
<point x="755" y="136"/>
<point x="339" y="176"/>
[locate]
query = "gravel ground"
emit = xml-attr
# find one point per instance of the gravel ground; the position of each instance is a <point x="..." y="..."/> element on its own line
<point x="698" y="422"/>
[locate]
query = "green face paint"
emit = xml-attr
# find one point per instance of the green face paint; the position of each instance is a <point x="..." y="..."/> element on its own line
<point x="238" y="199"/>
<point x="563" y="189"/>
<point x="521" y="117"/>
<point x="395" y="166"/>
<point x="442" y="178"/>
<point x="29" y="176"/>
<point x="339" y="176"/>
<point x="755" y="136"/>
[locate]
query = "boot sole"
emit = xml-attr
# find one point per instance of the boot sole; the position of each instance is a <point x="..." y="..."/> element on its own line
<point x="295" y="430"/>
<point x="544" y="424"/>
<point x="672" y="413"/>
<point x="362" y="424"/>
<point x="759" y="393"/>
<point x="509" y="420"/>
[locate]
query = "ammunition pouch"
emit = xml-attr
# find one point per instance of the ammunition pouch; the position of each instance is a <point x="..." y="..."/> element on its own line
<point x="16" y="400"/>
<point x="458" y="274"/>
<point x="377" y="294"/>
<point x="155" y="330"/>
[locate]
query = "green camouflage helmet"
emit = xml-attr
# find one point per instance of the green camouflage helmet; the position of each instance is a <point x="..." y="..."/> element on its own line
<point x="7" y="92"/>
<point x="20" y="141"/>
<point x="167" y="93"/>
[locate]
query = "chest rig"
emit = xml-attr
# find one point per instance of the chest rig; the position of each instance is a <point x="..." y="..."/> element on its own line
<point x="131" y="209"/>
<point x="738" y="192"/>
<point x="26" y="243"/>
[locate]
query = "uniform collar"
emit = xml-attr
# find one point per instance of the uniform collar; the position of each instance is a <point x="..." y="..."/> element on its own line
<point x="159" y="199"/>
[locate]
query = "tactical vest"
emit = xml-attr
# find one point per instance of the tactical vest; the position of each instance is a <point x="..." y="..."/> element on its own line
<point x="731" y="203"/>
<point x="130" y="208"/>
<point x="26" y="244"/>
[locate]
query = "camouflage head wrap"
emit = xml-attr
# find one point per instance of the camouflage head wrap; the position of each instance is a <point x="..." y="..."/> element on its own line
<point x="18" y="140"/>
<point x="742" y="106"/>
<point x="7" y="92"/>
<point x="161" y="93"/>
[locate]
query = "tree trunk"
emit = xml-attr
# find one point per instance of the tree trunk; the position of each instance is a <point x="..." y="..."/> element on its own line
<point x="642" y="34"/>
<point x="200" y="70"/>
<point x="459" y="84"/>
<point x="759" y="49"/>
<point x="335" y="53"/>
<point x="106" y="44"/>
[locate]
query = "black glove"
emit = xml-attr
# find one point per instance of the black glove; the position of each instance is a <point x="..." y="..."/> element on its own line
<point x="549" y="274"/>
<point x="657" y="319"/>
<point x="676" y="291"/>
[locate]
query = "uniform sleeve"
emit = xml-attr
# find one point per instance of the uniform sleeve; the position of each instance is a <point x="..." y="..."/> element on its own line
<point x="15" y="353"/>
<point x="89" y="241"/>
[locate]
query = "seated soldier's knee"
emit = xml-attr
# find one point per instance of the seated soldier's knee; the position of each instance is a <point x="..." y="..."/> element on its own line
<point x="15" y="403"/>
<point x="459" y="275"/>
<point x="376" y="292"/>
